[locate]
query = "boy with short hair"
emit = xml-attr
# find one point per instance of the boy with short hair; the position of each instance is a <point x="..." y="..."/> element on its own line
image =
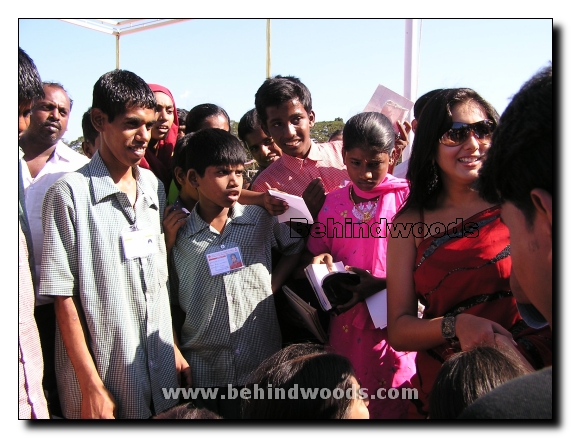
<point x="230" y="325"/>
<point x="283" y="105"/>
<point x="104" y="260"/>
<point x="90" y="143"/>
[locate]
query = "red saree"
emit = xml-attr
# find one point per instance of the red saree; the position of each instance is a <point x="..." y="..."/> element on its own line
<point x="467" y="271"/>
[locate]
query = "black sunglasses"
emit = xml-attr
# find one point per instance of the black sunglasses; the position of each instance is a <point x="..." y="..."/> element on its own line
<point x="459" y="133"/>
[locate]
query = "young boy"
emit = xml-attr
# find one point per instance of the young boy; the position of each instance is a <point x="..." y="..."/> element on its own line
<point x="104" y="260"/>
<point x="310" y="170"/>
<point x="263" y="148"/>
<point x="230" y="325"/>
<point x="90" y="143"/>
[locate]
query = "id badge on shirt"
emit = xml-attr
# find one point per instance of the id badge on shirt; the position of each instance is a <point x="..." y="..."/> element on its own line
<point x="226" y="260"/>
<point x="139" y="243"/>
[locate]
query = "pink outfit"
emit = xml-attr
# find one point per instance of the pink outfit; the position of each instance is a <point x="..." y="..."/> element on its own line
<point x="353" y="334"/>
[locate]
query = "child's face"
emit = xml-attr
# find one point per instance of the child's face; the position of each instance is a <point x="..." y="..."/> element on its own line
<point x="125" y="140"/>
<point x="289" y="125"/>
<point x="165" y="116"/>
<point x="263" y="148"/>
<point x="217" y="121"/>
<point x="366" y="168"/>
<point x="220" y="185"/>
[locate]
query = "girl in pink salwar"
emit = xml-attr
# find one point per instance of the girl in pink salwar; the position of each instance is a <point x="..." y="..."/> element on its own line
<point x="363" y="209"/>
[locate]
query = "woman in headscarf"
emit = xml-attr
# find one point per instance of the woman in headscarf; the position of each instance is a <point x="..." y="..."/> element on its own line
<point x="158" y="157"/>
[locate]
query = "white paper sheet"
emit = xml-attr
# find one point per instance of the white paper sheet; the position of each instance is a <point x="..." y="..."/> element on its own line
<point x="297" y="208"/>
<point x="377" y="305"/>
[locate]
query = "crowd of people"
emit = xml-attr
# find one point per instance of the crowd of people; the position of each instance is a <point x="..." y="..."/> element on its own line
<point x="151" y="270"/>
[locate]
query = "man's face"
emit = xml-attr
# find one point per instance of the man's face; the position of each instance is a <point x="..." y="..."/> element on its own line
<point x="289" y="125"/>
<point x="263" y="148"/>
<point x="24" y="110"/>
<point x="50" y="115"/>
<point x="125" y="139"/>
<point x="531" y="258"/>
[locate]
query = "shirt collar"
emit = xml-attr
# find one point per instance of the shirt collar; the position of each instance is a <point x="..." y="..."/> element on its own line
<point x="238" y="215"/>
<point x="295" y="164"/>
<point x="103" y="185"/>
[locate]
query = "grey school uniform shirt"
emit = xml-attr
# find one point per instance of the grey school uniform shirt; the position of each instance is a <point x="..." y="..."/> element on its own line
<point x="231" y="324"/>
<point x="125" y="302"/>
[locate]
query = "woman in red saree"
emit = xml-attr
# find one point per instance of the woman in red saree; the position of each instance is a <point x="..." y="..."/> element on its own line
<point x="452" y="253"/>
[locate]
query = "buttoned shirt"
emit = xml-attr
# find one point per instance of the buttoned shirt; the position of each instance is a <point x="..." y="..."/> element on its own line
<point x="231" y="324"/>
<point x="125" y="301"/>
<point x="62" y="161"/>
<point x="31" y="399"/>
<point x="293" y="175"/>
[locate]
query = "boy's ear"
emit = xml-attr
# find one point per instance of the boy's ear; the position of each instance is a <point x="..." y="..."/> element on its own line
<point x="98" y="119"/>
<point x="192" y="177"/>
<point x="179" y="175"/>
<point x="311" y="116"/>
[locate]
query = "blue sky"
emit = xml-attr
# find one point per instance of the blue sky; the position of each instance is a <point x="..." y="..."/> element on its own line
<point x="341" y="61"/>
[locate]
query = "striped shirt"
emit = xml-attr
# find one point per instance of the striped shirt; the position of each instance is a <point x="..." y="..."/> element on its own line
<point x="231" y="324"/>
<point x="293" y="175"/>
<point x="125" y="301"/>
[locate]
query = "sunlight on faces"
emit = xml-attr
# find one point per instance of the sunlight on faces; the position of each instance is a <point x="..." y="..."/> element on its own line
<point x="289" y="125"/>
<point x="462" y="162"/>
<point x="24" y="110"/>
<point x="50" y="115"/>
<point x="263" y="148"/>
<point x="217" y="121"/>
<point x="165" y="116"/>
<point x="125" y="139"/>
<point x="220" y="186"/>
<point x="367" y="169"/>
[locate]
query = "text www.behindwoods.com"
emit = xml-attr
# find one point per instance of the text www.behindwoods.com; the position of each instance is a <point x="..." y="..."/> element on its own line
<point x="293" y="393"/>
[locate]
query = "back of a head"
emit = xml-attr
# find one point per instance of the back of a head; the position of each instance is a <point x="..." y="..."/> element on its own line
<point x="435" y="121"/>
<point x="520" y="158"/>
<point x="291" y="373"/>
<point x="280" y="89"/>
<point x="187" y="412"/>
<point x="197" y="115"/>
<point x="422" y="101"/>
<point x="370" y="130"/>
<point x="213" y="147"/>
<point x="118" y="90"/>
<point x="247" y="124"/>
<point x="29" y="83"/>
<point x="468" y="375"/>
<point x="89" y="132"/>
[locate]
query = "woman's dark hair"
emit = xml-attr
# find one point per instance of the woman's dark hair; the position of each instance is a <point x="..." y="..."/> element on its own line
<point x="297" y="368"/>
<point x="199" y="113"/>
<point x="435" y="121"/>
<point x="468" y="375"/>
<point x="371" y="130"/>
<point x="118" y="90"/>
<point x="279" y="89"/>
<point x="212" y="147"/>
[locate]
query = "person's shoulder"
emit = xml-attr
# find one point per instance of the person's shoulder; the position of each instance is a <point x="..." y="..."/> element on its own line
<point x="526" y="397"/>
<point x="70" y="155"/>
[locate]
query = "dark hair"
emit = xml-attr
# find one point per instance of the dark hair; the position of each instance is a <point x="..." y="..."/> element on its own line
<point x="422" y="101"/>
<point x="118" y="90"/>
<point x="89" y="132"/>
<point x="370" y="130"/>
<point x="187" y="412"/>
<point x="213" y="147"/>
<point x="336" y="133"/>
<point x="468" y="375"/>
<point x="29" y="83"/>
<point x="248" y="124"/>
<point x="279" y="89"/>
<point x="300" y="366"/>
<point x="199" y="113"/>
<point x="182" y="113"/>
<point x="60" y="86"/>
<point x="436" y="120"/>
<point x="521" y="156"/>
<point x="179" y="156"/>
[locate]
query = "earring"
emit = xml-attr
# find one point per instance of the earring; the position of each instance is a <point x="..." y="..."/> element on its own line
<point x="434" y="181"/>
